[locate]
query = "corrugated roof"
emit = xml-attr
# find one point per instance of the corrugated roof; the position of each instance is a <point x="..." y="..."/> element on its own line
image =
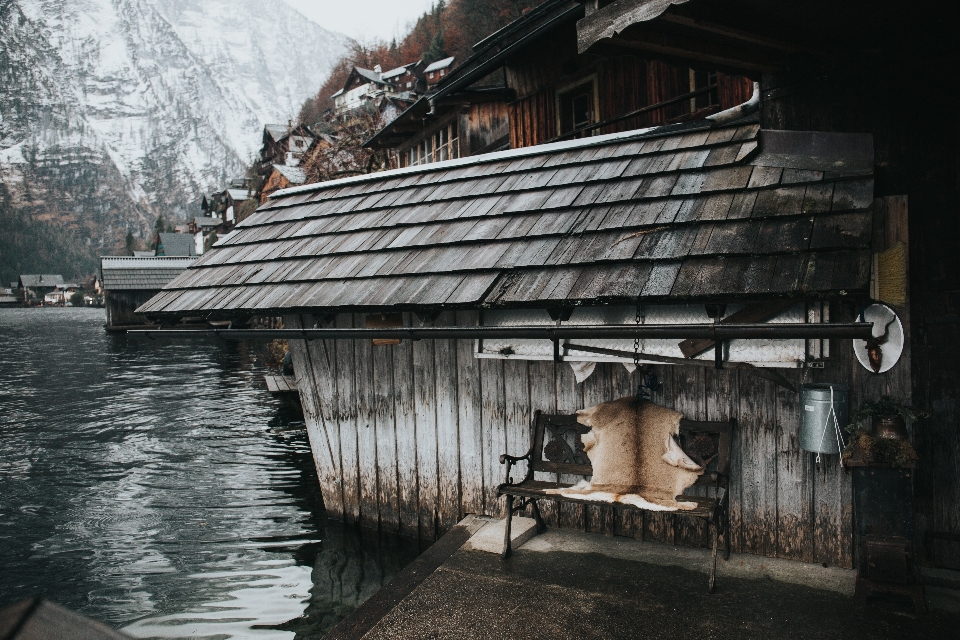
<point x="177" y="244"/>
<point x="439" y="64"/>
<point x="140" y="274"/>
<point x="699" y="214"/>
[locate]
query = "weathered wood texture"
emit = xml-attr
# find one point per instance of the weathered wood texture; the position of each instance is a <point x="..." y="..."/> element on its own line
<point x="483" y="125"/>
<point x="408" y="437"/>
<point x="917" y="157"/>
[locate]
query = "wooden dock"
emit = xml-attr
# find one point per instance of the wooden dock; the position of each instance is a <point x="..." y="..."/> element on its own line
<point x="281" y="384"/>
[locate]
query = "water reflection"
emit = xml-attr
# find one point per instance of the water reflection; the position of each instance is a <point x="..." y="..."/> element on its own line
<point x="158" y="487"/>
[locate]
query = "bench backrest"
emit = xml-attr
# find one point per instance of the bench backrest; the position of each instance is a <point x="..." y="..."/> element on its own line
<point x="558" y="446"/>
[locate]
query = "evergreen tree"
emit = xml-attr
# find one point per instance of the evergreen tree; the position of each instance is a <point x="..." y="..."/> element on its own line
<point x="435" y="51"/>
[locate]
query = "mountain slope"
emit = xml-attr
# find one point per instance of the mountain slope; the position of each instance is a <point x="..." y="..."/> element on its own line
<point x="115" y="111"/>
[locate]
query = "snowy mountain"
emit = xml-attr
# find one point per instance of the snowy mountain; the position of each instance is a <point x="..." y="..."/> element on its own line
<point x="115" y="111"/>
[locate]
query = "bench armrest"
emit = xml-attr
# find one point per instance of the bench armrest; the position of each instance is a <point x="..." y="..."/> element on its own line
<point x="509" y="460"/>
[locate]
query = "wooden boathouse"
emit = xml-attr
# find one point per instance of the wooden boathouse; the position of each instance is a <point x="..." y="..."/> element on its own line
<point x="774" y="217"/>
<point x="407" y="436"/>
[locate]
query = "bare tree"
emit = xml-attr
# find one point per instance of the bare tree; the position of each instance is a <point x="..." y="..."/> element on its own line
<point x="341" y="153"/>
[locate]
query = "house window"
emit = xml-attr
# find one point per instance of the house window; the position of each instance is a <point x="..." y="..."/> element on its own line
<point x="442" y="71"/>
<point x="577" y="106"/>
<point x="444" y="144"/>
<point x="703" y="80"/>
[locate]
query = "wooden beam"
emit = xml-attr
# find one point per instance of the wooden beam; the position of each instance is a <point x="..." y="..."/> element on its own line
<point x="672" y="46"/>
<point x="738" y="34"/>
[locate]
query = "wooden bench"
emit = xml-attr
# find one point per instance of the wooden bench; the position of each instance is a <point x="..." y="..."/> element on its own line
<point x="558" y="449"/>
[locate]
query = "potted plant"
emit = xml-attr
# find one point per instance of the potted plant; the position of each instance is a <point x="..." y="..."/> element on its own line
<point x="885" y="439"/>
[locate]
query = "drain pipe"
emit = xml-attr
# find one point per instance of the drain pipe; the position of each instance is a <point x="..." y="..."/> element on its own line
<point x="740" y="111"/>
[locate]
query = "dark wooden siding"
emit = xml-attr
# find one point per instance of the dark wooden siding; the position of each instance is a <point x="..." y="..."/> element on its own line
<point x="120" y="306"/>
<point x="912" y="110"/>
<point x="407" y="437"/>
<point x="624" y="84"/>
<point x="483" y="125"/>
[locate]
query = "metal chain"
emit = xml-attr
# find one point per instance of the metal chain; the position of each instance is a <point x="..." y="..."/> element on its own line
<point x="636" y="354"/>
<point x="636" y="340"/>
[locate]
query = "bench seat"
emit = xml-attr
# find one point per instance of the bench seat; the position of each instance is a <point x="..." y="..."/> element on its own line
<point x="557" y="449"/>
<point x="538" y="489"/>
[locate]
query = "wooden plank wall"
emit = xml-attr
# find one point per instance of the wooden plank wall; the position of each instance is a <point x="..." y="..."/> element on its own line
<point x="407" y="438"/>
<point x="482" y="125"/>
<point x="625" y="84"/>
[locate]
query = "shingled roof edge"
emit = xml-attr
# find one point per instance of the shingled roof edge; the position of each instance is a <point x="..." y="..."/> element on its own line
<point x="621" y="136"/>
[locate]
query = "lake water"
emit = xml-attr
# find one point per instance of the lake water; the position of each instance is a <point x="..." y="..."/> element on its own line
<point x="157" y="486"/>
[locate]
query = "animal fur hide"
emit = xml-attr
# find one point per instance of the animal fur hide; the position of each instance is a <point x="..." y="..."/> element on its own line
<point x="634" y="456"/>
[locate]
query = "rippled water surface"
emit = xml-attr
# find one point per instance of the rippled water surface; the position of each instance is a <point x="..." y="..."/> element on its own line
<point x="158" y="487"/>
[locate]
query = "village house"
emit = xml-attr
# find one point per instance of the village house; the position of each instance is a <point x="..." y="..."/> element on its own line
<point x="436" y="71"/>
<point x="367" y="87"/>
<point x="201" y="228"/>
<point x="285" y="144"/>
<point x="281" y="177"/>
<point x="129" y="281"/>
<point x="33" y="287"/>
<point x="7" y="299"/>
<point x="648" y="191"/>
<point x="177" y="245"/>
<point x="62" y="294"/>
<point x="528" y="84"/>
<point x="233" y="199"/>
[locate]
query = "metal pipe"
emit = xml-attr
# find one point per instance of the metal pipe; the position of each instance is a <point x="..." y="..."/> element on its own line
<point x="740" y="111"/>
<point x="785" y="331"/>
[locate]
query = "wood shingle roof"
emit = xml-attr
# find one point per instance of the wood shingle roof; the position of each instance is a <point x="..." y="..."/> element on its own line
<point x="123" y="273"/>
<point x="700" y="214"/>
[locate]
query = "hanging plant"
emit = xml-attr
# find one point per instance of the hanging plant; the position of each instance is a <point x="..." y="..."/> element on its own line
<point x="885" y="445"/>
<point x="885" y="407"/>
<point x="865" y="449"/>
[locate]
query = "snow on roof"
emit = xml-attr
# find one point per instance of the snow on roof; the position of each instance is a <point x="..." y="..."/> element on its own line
<point x="239" y="195"/>
<point x="439" y="64"/>
<point x="398" y="71"/>
<point x="201" y="221"/>
<point x="295" y="175"/>
<point x="337" y="93"/>
<point x="369" y="75"/>
<point x="277" y="131"/>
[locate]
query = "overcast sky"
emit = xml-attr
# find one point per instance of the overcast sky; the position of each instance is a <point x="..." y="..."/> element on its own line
<point x="364" y="20"/>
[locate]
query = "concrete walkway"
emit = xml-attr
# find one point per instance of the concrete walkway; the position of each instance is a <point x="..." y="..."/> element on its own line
<point x="571" y="585"/>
